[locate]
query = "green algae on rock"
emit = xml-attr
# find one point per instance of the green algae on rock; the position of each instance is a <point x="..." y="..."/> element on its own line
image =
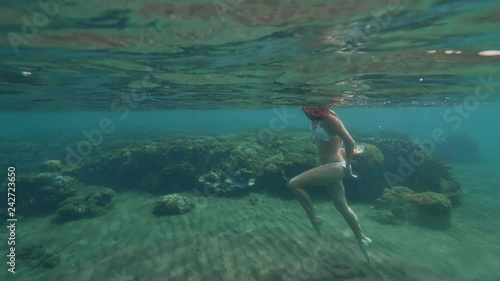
<point x="42" y="192"/>
<point x="92" y="205"/>
<point x="370" y="158"/>
<point x="384" y="217"/>
<point x="432" y="210"/>
<point x="405" y="163"/>
<point x="173" y="204"/>
<point x="235" y="165"/>
<point x="428" y="209"/>
<point x="51" y="166"/>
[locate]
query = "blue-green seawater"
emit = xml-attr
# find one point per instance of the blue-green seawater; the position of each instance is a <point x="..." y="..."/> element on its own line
<point x="142" y="73"/>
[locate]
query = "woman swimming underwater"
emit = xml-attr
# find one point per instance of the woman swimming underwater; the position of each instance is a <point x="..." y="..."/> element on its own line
<point x="335" y="166"/>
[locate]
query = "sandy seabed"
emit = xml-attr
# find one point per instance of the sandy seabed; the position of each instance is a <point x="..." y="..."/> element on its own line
<point x="231" y="239"/>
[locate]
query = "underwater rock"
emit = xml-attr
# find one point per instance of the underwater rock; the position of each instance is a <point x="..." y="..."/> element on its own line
<point x="36" y="255"/>
<point x="103" y="197"/>
<point x="149" y="166"/>
<point x="369" y="159"/>
<point x="235" y="165"/>
<point x="73" y="209"/>
<point x="435" y="176"/>
<point x="428" y="209"/>
<point x="41" y="193"/>
<point x="254" y="199"/>
<point x="451" y="189"/>
<point x="217" y="183"/>
<point x="368" y="165"/>
<point x="210" y="179"/>
<point x="150" y="183"/>
<point x="393" y="197"/>
<point x="384" y="217"/>
<point x="173" y="204"/>
<point x="51" y="166"/>
<point x="92" y="205"/>
<point x="432" y="210"/>
<point x="406" y="164"/>
<point x="41" y="179"/>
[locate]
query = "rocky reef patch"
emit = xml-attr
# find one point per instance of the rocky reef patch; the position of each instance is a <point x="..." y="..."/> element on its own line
<point x="173" y="204"/>
<point x="93" y="205"/>
<point x="400" y="204"/>
<point x="238" y="165"/>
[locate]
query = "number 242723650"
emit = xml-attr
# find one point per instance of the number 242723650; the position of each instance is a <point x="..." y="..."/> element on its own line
<point x="11" y="190"/>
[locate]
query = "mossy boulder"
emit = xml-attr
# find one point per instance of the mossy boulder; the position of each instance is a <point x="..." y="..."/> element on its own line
<point x="41" y="179"/>
<point x="155" y="167"/>
<point x="255" y="199"/>
<point x="102" y="198"/>
<point x="368" y="165"/>
<point x="54" y="166"/>
<point x="405" y="164"/>
<point x="384" y="217"/>
<point x="369" y="159"/>
<point x="73" y="209"/>
<point x="451" y="189"/>
<point x="173" y="204"/>
<point x="235" y="165"/>
<point x="427" y="209"/>
<point x="41" y="193"/>
<point x="92" y="205"/>
<point x="432" y="210"/>
<point x="393" y="197"/>
<point x="221" y="184"/>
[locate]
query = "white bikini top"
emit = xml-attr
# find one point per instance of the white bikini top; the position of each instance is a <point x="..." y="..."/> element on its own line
<point x="318" y="132"/>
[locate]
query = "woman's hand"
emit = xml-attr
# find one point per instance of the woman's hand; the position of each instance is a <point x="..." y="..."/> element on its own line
<point x="349" y="172"/>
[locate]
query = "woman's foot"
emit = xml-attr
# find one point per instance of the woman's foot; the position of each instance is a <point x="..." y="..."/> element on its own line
<point x="364" y="244"/>
<point x="317" y="223"/>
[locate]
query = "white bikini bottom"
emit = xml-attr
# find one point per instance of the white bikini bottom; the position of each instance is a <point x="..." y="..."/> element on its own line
<point x="342" y="164"/>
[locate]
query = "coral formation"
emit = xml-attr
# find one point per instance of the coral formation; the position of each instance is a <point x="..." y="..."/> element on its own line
<point x="384" y="217"/>
<point x="368" y="165"/>
<point x="369" y="159"/>
<point x="51" y="166"/>
<point x="428" y="209"/>
<point x="225" y="185"/>
<point x="432" y="210"/>
<point x="92" y="205"/>
<point x="235" y="165"/>
<point x="406" y="164"/>
<point x="393" y="197"/>
<point x="73" y="209"/>
<point x="173" y="204"/>
<point x="41" y="193"/>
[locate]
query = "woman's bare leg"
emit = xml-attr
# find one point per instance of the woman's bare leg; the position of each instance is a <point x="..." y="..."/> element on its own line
<point x="304" y="200"/>
<point x="337" y="193"/>
<point x="314" y="177"/>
